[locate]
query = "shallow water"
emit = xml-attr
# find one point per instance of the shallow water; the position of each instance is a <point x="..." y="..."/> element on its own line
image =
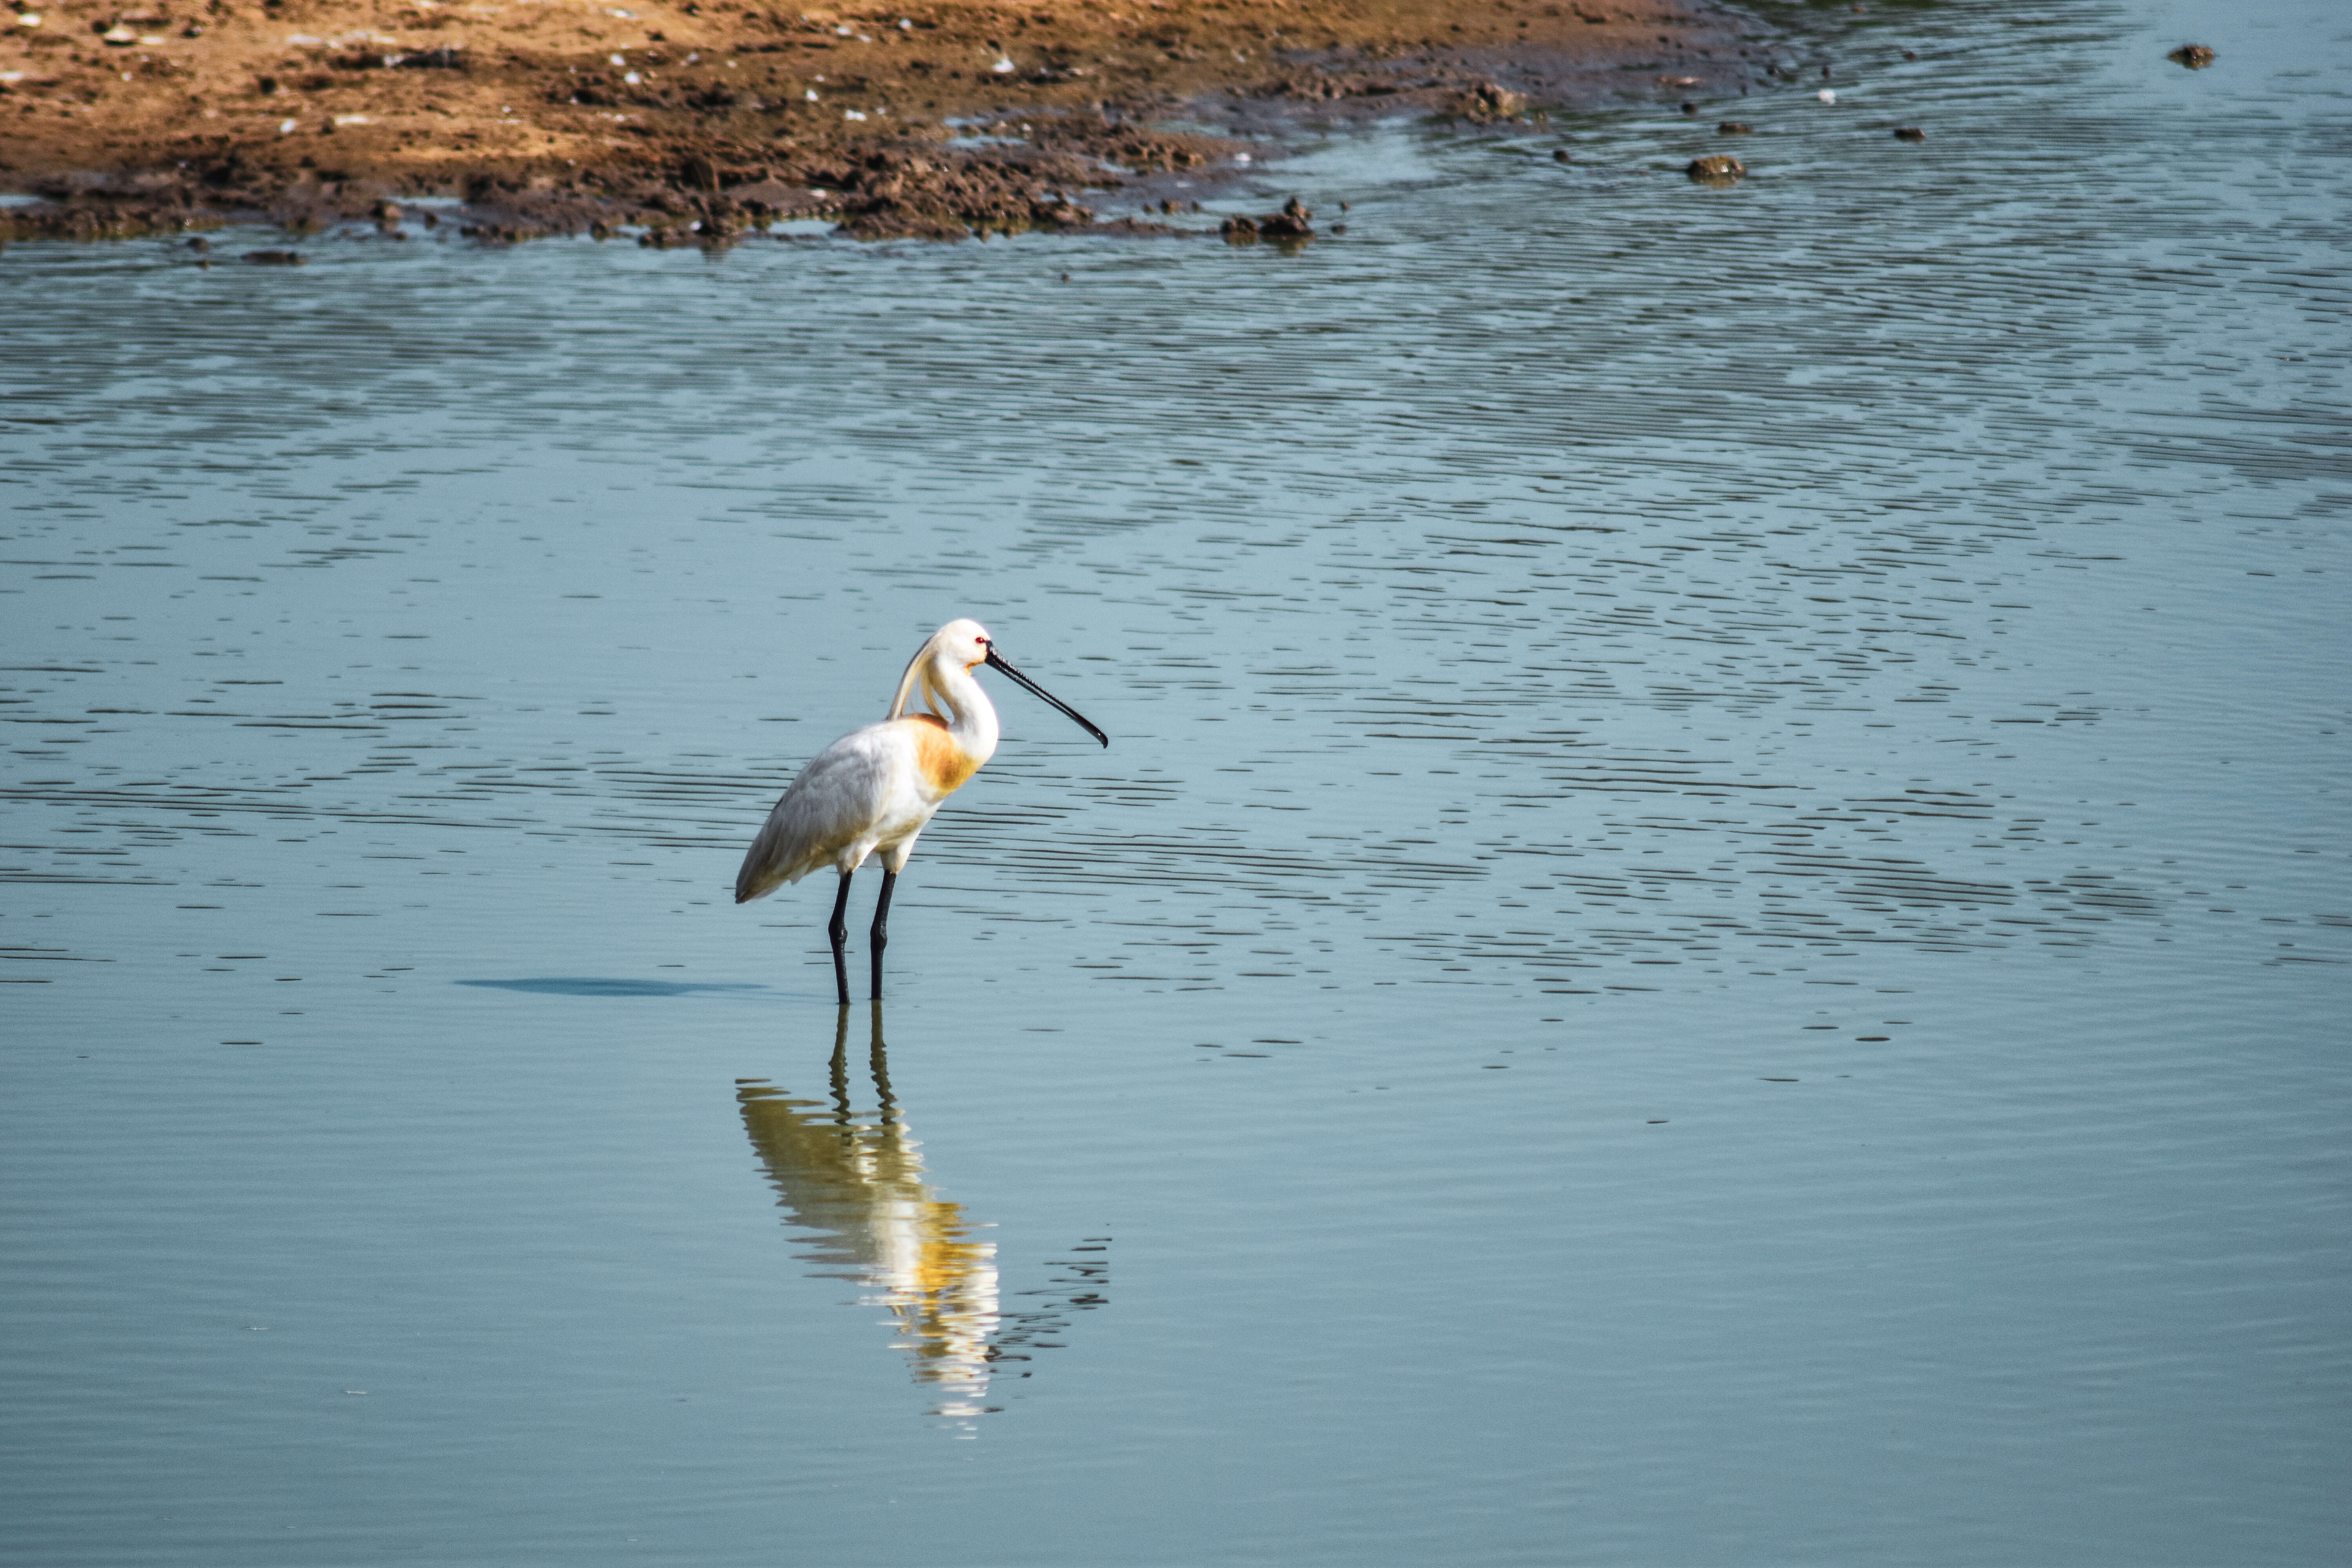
<point x="1740" y="791"/>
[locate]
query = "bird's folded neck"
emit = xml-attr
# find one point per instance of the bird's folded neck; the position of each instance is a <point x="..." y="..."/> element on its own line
<point x="957" y="698"/>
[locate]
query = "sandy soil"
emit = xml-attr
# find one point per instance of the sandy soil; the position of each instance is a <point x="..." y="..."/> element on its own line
<point x="700" y="116"/>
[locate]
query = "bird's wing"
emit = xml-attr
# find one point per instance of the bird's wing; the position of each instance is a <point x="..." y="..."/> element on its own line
<point x="840" y="796"/>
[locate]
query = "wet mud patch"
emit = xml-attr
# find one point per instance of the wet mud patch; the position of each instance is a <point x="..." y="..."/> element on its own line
<point x="698" y="124"/>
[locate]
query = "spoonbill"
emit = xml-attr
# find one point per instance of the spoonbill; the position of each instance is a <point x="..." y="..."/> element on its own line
<point x="875" y="789"/>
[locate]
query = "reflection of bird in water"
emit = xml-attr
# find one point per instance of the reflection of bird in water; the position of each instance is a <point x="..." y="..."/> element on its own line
<point x="874" y="789"/>
<point x="858" y="1180"/>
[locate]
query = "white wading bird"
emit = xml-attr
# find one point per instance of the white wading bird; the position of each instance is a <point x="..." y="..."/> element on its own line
<point x="875" y="788"/>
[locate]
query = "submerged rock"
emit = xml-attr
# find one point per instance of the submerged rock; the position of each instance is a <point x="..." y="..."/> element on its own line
<point x="1717" y="169"/>
<point x="1735" y="128"/>
<point x="276" y="259"/>
<point x="2196" y="57"/>
<point x="1909" y="133"/>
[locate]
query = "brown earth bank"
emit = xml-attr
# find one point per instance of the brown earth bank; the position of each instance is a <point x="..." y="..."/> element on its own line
<point x="700" y="119"/>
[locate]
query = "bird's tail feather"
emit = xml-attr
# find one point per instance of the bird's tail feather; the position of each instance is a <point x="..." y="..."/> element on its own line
<point x="764" y="870"/>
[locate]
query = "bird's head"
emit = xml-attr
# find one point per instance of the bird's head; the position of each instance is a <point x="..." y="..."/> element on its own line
<point x="964" y="641"/>
<point x="969" y="644"/>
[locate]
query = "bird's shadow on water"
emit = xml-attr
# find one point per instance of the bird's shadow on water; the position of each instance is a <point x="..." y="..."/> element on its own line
<point x="589" y="986"/>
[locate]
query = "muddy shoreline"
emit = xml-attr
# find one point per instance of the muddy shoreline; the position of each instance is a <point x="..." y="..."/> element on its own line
<point x="693" y="123"/>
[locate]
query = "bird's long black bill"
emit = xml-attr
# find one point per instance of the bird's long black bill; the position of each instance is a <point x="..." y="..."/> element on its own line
<point x="996" y="662"/>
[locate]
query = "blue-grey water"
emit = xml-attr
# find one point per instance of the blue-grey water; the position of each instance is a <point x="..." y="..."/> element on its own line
<point x="1715" y="931"/>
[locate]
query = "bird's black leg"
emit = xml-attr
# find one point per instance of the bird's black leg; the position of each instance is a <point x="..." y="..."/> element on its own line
<point x="839" y="930"/>
<point x="880" y="936"/>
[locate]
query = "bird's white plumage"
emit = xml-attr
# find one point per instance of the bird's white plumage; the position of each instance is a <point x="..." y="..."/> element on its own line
<point x="874" y="789"/>
<point x="858" y="795"/>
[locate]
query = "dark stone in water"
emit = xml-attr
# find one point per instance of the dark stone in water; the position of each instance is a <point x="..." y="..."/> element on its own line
<point x="1560" y="155"/>
<point x="1690" y="109"/>
<point x="2196" y="57"/>
<point x="276" y="257"/>
<point x="1295" y="221"/>
<point x="1719" y="169"/>
<point x="200" y="245"/>
<point x="1909" y="133"/>
<point x="1735" y="128"/>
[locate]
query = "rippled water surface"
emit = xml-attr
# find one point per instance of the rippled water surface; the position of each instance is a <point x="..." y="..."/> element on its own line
<point x="1736" y="795"/>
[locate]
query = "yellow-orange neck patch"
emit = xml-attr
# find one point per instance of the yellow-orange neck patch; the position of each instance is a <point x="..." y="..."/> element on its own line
<point x="944" y="763"/>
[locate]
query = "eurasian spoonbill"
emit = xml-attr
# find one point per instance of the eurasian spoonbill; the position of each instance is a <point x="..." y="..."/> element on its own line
<point x="874" y="789"/>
